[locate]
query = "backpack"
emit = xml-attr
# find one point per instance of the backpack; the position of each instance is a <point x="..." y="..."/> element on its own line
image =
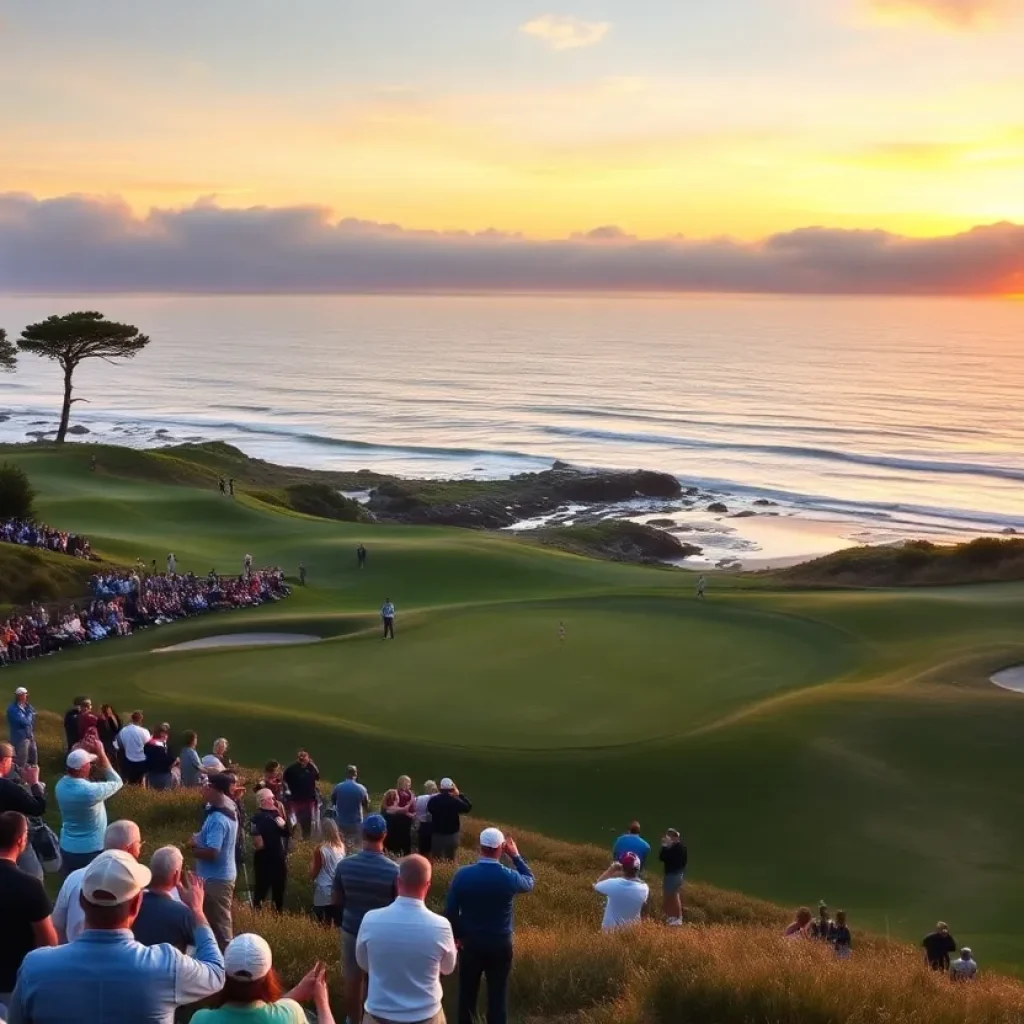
<point x="45" y="844"/>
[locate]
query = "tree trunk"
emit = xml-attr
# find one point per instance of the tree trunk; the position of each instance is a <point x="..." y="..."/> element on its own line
<point x="65" y="413"/>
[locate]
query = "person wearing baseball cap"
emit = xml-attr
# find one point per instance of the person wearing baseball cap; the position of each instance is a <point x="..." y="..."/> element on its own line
<point x="117" y="979"/>
<point x="479" y="907"/>
<point x="446" y="810"/>
<point x="82" y="804"/>
<point x="21" y="723"/>
<point x="252" y="990"/>
<point x="624" y="891"/>
<point x="363" y="881"/>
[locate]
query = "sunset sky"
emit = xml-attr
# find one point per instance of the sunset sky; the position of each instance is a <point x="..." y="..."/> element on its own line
<point x="743" y="118"/>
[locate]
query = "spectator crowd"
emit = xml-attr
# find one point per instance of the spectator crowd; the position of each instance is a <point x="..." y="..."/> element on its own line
<point x="39" y="535"/>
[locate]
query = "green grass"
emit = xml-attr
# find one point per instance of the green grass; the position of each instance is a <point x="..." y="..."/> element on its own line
<point x="844" y="745"/>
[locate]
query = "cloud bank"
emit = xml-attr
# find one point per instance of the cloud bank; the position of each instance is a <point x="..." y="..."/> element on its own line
<point x="963" y="14"/>
<point x="565" y="33"/>
<point x="78" y="243"/>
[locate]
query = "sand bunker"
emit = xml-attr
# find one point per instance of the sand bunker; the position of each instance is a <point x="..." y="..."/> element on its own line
<point x="242" y="640"/>
<point x="1010" y="678"/>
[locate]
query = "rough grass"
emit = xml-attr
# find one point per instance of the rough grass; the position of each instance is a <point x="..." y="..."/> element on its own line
<point x="31" y="574"/>
<point x="729" y="965"/>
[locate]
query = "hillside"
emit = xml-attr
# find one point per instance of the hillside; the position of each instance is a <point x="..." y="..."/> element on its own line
<point x="810" y="743"/>
<point x="729" y="965"/>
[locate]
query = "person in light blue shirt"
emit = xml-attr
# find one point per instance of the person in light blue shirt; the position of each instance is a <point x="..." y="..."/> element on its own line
<point x="82" y="804"/>
<point x="214" y="849"/>
<point x="105" y="975"/>
<point x="632" y="842"/>
<point x="21" y="722"/>
<point x="351" y="802"/>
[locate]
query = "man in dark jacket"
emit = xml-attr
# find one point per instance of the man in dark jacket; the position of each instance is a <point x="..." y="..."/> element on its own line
<point x="446" y="810"/>
<point x="300" y="779"/>
<point x="270" y="832"/>
<point x="159" y="761"/>
<point x="71" y="736"/>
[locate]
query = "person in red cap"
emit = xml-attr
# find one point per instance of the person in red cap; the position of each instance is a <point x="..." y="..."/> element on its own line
<point x="624" y="891"/>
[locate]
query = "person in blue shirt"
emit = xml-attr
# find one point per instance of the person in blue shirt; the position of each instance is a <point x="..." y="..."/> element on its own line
<point x="351" y="802"/>
<point x="105" y="975"/>
<point x="214" y="849"/>
<point x="21" y="722"/>
<point x="632" y="842"/>
<point x="479" y="907"/>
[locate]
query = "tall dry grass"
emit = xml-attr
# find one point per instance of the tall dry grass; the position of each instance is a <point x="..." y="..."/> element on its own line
<point x="729" y="965"/>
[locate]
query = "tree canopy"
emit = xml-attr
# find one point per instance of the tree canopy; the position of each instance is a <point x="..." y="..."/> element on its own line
<point x="8" y="353"/>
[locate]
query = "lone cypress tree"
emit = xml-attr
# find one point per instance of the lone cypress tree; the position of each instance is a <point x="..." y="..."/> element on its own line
<point x="70" y="339"/>
<point x="8" y="353"/>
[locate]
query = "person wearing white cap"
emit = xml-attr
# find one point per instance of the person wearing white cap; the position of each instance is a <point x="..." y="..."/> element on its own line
<point x="252" y="991"/>
<point x="105" y="975"/>
<point x="82" y="804"/>
<point x="21" y="721"/>
<point x="479" y="907"/>
<point x="404" y="949"/>
<point x="446" y="810"/>
<point x="68" y="914"/>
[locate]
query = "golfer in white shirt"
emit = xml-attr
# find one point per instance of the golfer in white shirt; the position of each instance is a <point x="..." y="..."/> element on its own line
<point x="405" y="948"/>
<point x="625" y="892"/>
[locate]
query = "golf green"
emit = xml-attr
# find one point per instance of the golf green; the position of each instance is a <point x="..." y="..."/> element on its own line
<point x="829" y="744"/>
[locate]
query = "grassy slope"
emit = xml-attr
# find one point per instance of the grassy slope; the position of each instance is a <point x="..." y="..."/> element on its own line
<point x="838" y="745"/>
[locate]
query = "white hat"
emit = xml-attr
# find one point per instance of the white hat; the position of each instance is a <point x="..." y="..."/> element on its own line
<point x="79" y="759"/>
<point x="446" y="784"/>
<point x="214" y="763"/>
<point x="248" y="957"/>
<point x="113" y="878"/>
<point x="492" y="839"/>
<point x="21" y="692"/>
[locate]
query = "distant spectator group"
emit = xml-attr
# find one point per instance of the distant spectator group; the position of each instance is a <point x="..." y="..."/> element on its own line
<point x="39" y="535"/>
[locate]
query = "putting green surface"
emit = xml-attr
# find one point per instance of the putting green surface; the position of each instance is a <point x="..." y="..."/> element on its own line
<point x="837" y="745"/>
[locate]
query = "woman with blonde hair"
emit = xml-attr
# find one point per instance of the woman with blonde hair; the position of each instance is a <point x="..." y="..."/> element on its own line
<point x="399" y="808"/>
<point x="424" y="828"/>
<point x="326" y="857"/>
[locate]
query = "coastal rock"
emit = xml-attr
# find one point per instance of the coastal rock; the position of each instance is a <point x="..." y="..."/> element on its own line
<point x="559" y="464"/>
<point x="1009" y="532"/>
<point x="692" y="491"/>
<point x="665" y="524"/>
<point x="717" y="506"/>
<point x="765" y="503"/>
<point x="4" y="417"/>
<point x="619" y="541"/>
<point x="77" y="428"/>
<point x="39" y="435"/>
<point x="745" y="514"/>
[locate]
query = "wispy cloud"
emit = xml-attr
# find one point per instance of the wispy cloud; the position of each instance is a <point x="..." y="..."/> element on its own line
<point x="563" y="32"/>
<point x="77" y="243"/>
<point x="957" y="14"/>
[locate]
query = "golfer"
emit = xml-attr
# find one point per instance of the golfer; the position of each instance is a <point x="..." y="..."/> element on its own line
<point x="387" y="614"/>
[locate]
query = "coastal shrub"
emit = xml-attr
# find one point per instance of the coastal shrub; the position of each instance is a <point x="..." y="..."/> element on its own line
<point x="17" y="498"/>
<point x="321" y="500"/>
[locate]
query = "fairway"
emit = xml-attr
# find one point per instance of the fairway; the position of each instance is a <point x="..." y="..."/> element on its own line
<point x="838" y="745"/>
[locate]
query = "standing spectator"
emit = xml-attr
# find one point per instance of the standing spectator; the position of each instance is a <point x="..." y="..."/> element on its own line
<point x="21" y="723"/>
<point x="404" y="949"/>
<point x="479" y="907"/>
<point x="842" y="940"/>
<point x="272" y="779"/>
<point x="160" y="762"/>
<point x="86" y="720"/>
<point x="821" y="928"/>
<point x="68" y="915"/>
<point x="172" y="564"/>
<point x="361" y="556"/>
<point x="162" y="916"/>
<point x="424" y="827"/>
<point x="191" y="766"/>
<point x="387" y="614"/>
<point x="446" y="810"/>
<point x="82" y="804"/>
<point x="965" y="967"/>
<point x="302" y="574"/>
<point x="364" y="881"/>
<point x="632" y="842"/>
<point x="131" y="741"/>
<point x="108" y="726"/>
<point x="800" y="926"/>
<point x="673" y="856"/>
<point x="105" y="975"/>
<point x="270" y="833"/>
<point x="26" y="797"/>
<point x="351" y="802"/>
<point x="214" y="849"/>
<point x="624" y="892"/>
<point x="252" y="991"/>
<point x="399" y="809"/>
<point x="937" y="947"/>
<point x="326" y="858"/>
<point x="71" y="722"/>
<point x="24" y="907"/>
<point x="301" y="779"/>
<point x="218" y="761"/>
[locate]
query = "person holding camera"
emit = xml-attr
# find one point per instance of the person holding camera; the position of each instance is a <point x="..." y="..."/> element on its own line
<point x="673" y="857"/>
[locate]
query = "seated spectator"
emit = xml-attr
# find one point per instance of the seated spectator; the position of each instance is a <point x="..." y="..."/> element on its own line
<point x="800" y="926"/>
<point x="163" y="917"/>
<point x="252" y="991"/>
<point x="109" y="968"/>
<point x="965" y="967"/>
<point x="624" y="891"/>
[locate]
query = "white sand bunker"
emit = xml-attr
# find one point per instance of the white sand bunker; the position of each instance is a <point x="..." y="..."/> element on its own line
<point x="242" y="640"/>
<point x="1010" y="678"/>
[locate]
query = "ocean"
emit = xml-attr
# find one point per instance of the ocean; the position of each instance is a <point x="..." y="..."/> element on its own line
<point x="863" y="420"/>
